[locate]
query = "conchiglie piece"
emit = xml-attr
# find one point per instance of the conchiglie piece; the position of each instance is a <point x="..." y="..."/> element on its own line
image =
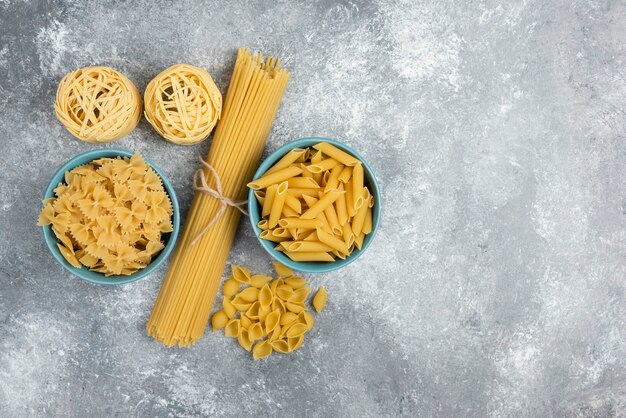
<point x="295" y="282"/>
<point x="241" y="274"/>
<point x="265" y="297"/>
<point x="284" y="292"/>
<point x="294" y="307"/>
<point x="231" y="286"/>
<point x="240" y="305"/>
<point x="255" y="331"/>
<point x="287" y="318"/>
<point x="282" y="270"/>
<point x="249" y="294"/>
<point x="69" y="257"/>
<point x="259" y="280"/>
<point x="280" y="346"/>
<point x="244" y="340"/>
<point x="263" y="313"/>
<point x="261" y="350"/>
<point x="272" y="321"/>
<point x="307" y="319"/>
<point x="232" y="328"/>
<point x="279" y="305"/>
<point x="319" y="300"/>
<point x="274" y="285"/>
<point x="296" y="330"/>
<point x="228" y="308"/>
<point x="245" y="321"/>
<point x="219" y="320"/>
<point x="300" y="295"/>
<point x="275" y="335"/>
<point x="295" y="343"/>
<point x="253" y="311"/>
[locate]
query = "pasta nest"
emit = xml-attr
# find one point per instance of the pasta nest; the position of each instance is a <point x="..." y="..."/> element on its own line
<point x="98" y="104"/>
<point x="183" y="104"/>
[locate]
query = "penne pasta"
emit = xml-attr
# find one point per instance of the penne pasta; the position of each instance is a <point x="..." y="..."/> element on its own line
<point x="302" y="256"/>
<point x="260" y="196"/>
<point x="336" y="153"/>
<point x="267" y="235"/>
<point x="293" y="202"/>
<point x="300" y="223"/>
<point x="345" y="175"/>
<point x="359" y="220"/>
<point x="289" y="213"/>
<point x="324" y="165"/>
<point x="274" y="178"/>
<point x="281" y="233"/>
<point x="311" y="237"/>
<point x="303" y="183"/>
<point x="358" y="240"/>
<point x="332" y="241"/>
<point x="347" y="234"/>
<point x="367" y="224"/>
<point x="340" y="207"/>
<point x="269" y="199"/>
<point x="322" y="204"/>
<point x="348" y="197"/>
<point x="299" y="192"/>
<point x="291" y="157"/>
<point x="306" y="246"/>
<point x="262" y="224"/>
<point x="333" y="222"/>
<point x="333" y="178"/>
<point x="357" y="184"/>
<point x="306" y="173"/>
<point x="277" y="204"/>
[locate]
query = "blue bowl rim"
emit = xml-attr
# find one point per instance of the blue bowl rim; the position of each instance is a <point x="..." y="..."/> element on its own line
<point x="315" y="267"/>
<point x="92" y="276"/>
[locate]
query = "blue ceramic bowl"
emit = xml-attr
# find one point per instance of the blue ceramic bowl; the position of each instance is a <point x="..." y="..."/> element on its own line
<point x="254" y="209"/>
<point x="92" y="276"/>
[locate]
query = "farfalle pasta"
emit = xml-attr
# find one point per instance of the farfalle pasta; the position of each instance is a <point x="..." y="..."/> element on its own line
<point x="268" y="315"/>
<point x="109" y="215"/>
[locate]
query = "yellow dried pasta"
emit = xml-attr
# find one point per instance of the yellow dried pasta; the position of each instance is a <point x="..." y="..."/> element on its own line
<point x="271" y="319"/>
<point x="112" y="212"/>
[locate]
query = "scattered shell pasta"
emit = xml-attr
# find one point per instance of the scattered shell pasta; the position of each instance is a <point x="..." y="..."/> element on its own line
<point x="267" y="315"/>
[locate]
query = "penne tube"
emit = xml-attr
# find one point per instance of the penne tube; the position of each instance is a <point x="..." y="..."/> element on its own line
<point x="306" y="246"/>
<point x="338" y="254"/>
<point x="325" y="225"/>
<point x="340" y="207"/>
<point x="328" y="199"/>
<point x="298" y="192"/>
<point x="323" y="165"/>
<point x="281" y="233"/>
<point x="367" y="224"/>
<point x="294" y="233"/>
<point x="269" y="199"/>
<point x="345" y="175"/>
<point x="267" y="235"/>
<point x="318" y="177"/>
<point x="311" y="237"/>
<point x="349" y="201"/>
<point x="371" y="201"/>
<point x="300" y="223"/>
<point x="260" y="196"/>
<point x="291" y="157"/>
<point x="334" y="152"/>
<point x="262" y="224"/>
<point x="325" y="177"/>
<point x="306" y="173"/>
<point x="280" y="247"/>
<point x="289" y="213"/>
<point x="316" y="157"/>
<point x="358" y="240"/>
<point x="347" y="234"/>
<point x="331" y="216"/>
<point x="317" y="256"/>
<point x="277" y="204"/>
<point x="332" y="241"/>
<point x="359" y="220"/>
<point x="333" y="179"/>
<point x="357" y="183"/>
<point x="274" y="178"/>
<point x="293" y="202"/>
<point x="362" y="198"/>
<point x="303" y="183"/>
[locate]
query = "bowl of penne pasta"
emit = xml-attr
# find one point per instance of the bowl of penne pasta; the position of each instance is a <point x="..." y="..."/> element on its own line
<point x="314" y="205"/>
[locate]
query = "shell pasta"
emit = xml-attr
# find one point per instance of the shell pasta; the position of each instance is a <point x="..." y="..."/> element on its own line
<point x="315" y="204"/>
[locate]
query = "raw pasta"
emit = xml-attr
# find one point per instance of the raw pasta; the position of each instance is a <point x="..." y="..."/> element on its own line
<point x="109" y="215"/>
<point x="183" y="104"/>
<point x="275" y="319"/>
<point x="98" y="104"/>
<point x="183" y="307"/>
<point x="326" y="208"/>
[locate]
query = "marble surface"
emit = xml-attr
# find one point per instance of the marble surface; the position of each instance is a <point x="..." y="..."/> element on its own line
<point x="495" y="286"/>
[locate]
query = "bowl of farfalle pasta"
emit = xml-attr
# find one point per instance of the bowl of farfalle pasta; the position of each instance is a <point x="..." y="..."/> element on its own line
<point x="314" y="205"/>
<point x="109" y="216"/>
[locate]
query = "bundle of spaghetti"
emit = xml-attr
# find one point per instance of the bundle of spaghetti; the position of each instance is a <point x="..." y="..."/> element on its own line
<point x="181" y="311"/>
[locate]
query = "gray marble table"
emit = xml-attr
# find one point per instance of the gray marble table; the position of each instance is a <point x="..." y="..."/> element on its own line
<point x="495" y="286"/>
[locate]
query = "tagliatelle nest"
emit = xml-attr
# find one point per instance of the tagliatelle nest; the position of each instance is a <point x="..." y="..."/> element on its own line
<point x="98" y="104"/>
<point x="183" y="104"/>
